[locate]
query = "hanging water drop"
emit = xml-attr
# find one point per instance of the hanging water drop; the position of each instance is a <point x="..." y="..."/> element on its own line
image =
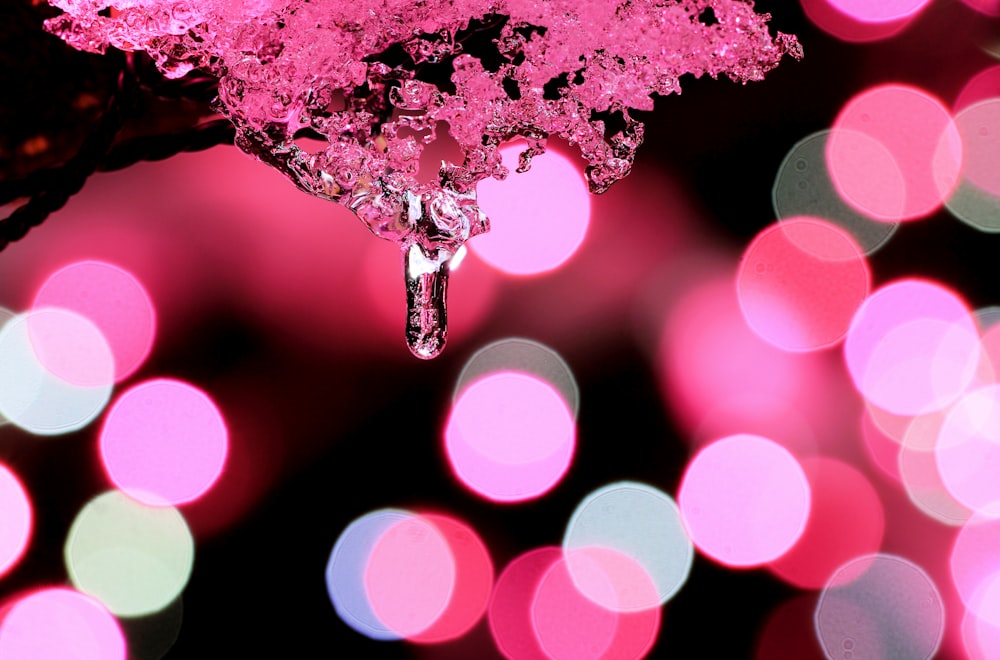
<point x="426" y="273"/>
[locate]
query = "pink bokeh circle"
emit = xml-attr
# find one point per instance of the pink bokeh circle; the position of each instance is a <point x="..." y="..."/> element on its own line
<point x="800" y="282"/>
<point x="913" y="347"/>
<point x="410" y="576"/>
<point x="894" y="153"/>
<point x="473" y="581"/>
<point x="16" y="520"/>
<point x="164" y="442"/>
<point x="745" y="500"/>
<point x="510" y="437"/>
<point x="60" y="623"/>
<point x="967" y="451"/>
<point x="538" y="218"/>
<point x="114" y="300"/>
<point x="879" y="11"/>
<point x="846" y="520"/>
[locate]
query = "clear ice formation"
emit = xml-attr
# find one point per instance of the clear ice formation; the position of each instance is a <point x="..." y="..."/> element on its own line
<point x="376" y="78"/>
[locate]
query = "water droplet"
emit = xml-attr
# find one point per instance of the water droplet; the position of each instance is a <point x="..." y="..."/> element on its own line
<point x="426" y="273"/>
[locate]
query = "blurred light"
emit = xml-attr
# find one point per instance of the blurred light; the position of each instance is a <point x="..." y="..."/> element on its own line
<point x="779" y="420"/>
<point x="976" y="201"/>
<point x="846" y="520"/>
<point x="60" y="623"/>
<point x="979" y="126"/>
<point x="611" y="578"/>
<point x="880" y="606"/>
<point x="745" y="500"/>
<point x="710" y="358"/>
<point x="136" y="559"/>
<point x="643" y="524"/>
<point x="920" y="474"/>
<point x="803" y="187"/>
<point x="409" y="576"/>
<point x="346" y="571"/>
<point x="114" y="300"/>
<point x="15" y="519"/>
<point x="394" y="574"/>
<point x="57" y="371"/>
<point x="833" y="20"/>
<point x="879" y="11"/>
<point x="510" y="437"/>
<point x="525" y="356"/>
<point x="800" y="283"/>
<point x="975" y="561"/>
<point x="913" y="347"/>
<point x="473" y="581"/>
<point x="980" y="638"/>
<point x="967" y="451"/>
<point x="894" y="153"/>
<point x="538" y="218"/>
<point x="980" y="87"/>
<point x="569" y="626"/>
<point x="164" y="442"/>
<point x="892" y="425"/>
<point x="987" y="7"/>
<point x="510" y="608"/>
<point x="882" y="450"/>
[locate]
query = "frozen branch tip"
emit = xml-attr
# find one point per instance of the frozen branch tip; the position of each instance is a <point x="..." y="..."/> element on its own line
<point x="374" y="80"/>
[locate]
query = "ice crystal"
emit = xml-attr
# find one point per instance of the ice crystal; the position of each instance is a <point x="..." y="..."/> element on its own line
<point x="366" y="77"/>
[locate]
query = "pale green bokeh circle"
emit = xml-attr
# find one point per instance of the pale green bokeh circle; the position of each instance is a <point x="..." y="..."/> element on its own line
<point x="136" y="559"/>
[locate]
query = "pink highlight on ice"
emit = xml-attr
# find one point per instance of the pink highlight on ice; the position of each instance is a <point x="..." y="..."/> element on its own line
<point x="539" y="218"/>
<point x="410" y="576"/>
<point x="894" y="153"/>
<point x="164" y="441"/>
<point x="60" y="623"/>
<point x="510" y="437"/>
<point x="473" y="581"/>
<point x="846" y="520"/>
<point x="745" y="500"/>
<point x="114" y="300"/>
<point x="913" y="347"/>
<point x="16" y="520"/>
<point x="800" y="282"/>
